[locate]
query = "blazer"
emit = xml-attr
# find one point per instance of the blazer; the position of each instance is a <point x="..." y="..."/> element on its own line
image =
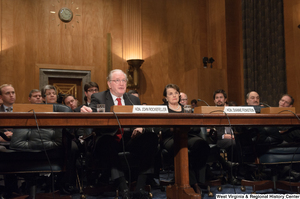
<point x="3" y="130"/>
<point x="105" y="97"/>
<point x="2" y="108"/>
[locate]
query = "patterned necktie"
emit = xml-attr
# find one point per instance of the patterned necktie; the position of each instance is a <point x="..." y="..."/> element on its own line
<point x="8" y="109"/>
<point x="120" y="131"/>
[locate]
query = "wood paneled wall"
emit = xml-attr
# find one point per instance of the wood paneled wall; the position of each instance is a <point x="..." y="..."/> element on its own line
<point x="176" y="35"/>
<point x="292" y="48"/>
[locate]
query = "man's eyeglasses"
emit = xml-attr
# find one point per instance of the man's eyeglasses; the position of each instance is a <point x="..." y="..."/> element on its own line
<point x="119" y="81"/>
<point x="183" y="99"/>
<point x="93" y="90"/>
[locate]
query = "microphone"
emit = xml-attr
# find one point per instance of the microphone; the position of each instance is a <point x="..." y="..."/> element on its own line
<point x="200" y="100"/>
<point x="264" y="104"/>
<point x="129" y="98"/>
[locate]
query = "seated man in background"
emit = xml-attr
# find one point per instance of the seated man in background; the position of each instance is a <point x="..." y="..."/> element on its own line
<point x="139" y="141"/>
<point x="133" y="92"/>
<point x="194" y="104"/>
<point x="252" y="99"/>
<point x="35" y="97"/>
<point x="8" y="96"/>
<point x="272" y="136"/>
<point x="183" y="99"/>
<point x="70" y="101"/>
<point x="277" y="135"/>
<point x="89" y="89"/>
<point x="224" y="137"/>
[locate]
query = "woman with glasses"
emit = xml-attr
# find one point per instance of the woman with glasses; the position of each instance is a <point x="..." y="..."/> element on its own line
<point x="198" y="148"/>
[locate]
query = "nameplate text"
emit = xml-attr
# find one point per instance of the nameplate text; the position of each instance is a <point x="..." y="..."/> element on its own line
<point x="239" y="109"/>
<point x="149" y="109"/>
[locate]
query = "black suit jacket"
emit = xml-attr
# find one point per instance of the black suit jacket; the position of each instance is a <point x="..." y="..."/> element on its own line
<point x="106" y="98"/>
<point x="2" y="108"/>
<point x="3" y="130"/>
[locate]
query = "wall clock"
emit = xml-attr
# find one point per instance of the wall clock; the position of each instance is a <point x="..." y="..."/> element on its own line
<point x="65" y="15"/>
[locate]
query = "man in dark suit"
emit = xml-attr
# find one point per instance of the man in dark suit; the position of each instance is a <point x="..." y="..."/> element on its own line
<point x="8" y="96"/>
<point x="139" y="141"/>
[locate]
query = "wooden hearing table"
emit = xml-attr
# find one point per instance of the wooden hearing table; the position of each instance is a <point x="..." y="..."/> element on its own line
<point x="180" y="122"/>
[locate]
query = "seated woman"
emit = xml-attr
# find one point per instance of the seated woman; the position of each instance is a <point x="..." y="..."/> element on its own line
<point x="198" y="148"/>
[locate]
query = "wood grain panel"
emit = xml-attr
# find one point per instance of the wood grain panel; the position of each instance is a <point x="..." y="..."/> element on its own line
<point x="176" y="35"/>
<point x="292" y="45"/>
<point x="7" y="42"/>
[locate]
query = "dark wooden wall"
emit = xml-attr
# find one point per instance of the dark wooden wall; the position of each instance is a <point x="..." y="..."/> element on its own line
<point x="176" y="35"/>
<point x="292" y="48"/>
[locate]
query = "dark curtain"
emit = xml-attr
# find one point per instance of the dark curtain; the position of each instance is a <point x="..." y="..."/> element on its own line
<point x="263" y="49"/>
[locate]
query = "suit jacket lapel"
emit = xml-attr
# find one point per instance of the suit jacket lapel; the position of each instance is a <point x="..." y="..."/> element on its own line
<point x="108" y="102"/>
<point x="2" y="108"/>
<point x="127" y="101"/>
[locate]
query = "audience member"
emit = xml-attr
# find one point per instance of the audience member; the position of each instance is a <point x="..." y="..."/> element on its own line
<point x="89" y="89"/>
<point x="70" y="101"/>
<point x="223" y="136"/>
<point x="8" y="96"/>
<point x="194" y="103"/>
<point x="49" y="94"/>
<point x="35" y="97"/>
<point x="275" y="135"/>
<point x="183" y="99"/>
<point x="232" y="103"/>
<point x="133" y="92"/>
<point x="286" y="101"/>
<point x="272" y="136"/>
<point x="220" y="97"/>
<point x="139" y="141"/>
<point x="198" y="148"/>
<point x="253" y="99"/>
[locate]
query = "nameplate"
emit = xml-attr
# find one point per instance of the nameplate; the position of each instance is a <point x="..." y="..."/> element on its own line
<point x="239" y="109"/>
<point x="150" y="109"/>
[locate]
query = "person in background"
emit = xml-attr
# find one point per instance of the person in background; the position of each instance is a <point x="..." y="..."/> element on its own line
<point x="253" y="99"/>
<point x="49" y="94"/>
<point x="89" y="89"/>
<point x="183" y="99"/>
<point x="224" y="137"/>
<point x="194" y="103"/>
<point x="35" y="97"/>
<point x="133" y="92"/>
<point x="8" y="96"/>
<point x="70" y="101"/>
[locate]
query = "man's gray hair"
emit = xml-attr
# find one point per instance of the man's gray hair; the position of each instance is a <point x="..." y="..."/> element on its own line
<point x="113" y="71"/>
<point x="33" y="91"/>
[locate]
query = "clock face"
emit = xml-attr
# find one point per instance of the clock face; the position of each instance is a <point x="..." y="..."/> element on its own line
<point x="65" y="14"/>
